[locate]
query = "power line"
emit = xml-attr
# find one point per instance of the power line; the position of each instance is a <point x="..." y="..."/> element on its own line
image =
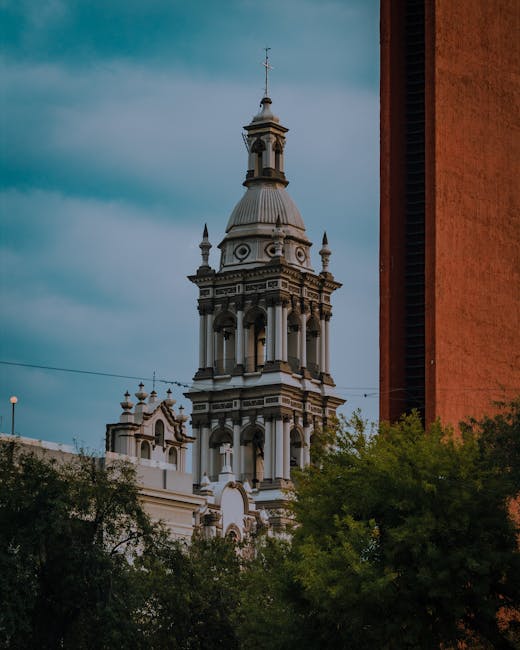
<point x="364" y="391"/>
<point x="94" y="372"/>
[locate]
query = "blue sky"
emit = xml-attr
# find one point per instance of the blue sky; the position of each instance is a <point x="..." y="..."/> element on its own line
<point x="120" y="137"/>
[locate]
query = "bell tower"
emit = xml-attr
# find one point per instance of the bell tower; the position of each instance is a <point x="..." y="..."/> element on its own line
<point x="263" y="385"/>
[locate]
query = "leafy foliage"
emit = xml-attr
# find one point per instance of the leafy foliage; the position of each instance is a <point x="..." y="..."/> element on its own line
<point x="82" y="565"/>
<point x="405" y="537"/>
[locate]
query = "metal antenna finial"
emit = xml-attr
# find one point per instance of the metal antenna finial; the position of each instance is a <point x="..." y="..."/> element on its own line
<point x="267" y="67"/>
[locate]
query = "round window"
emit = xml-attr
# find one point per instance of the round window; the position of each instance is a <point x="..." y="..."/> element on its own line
<point x="300" y="255"/>
<point x="242" y="251"/>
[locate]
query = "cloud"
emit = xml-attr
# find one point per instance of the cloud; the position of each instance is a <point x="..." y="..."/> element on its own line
<point x="121" y="136"/>
<point x="309" y="38"/>
<point x="152" y="137"/>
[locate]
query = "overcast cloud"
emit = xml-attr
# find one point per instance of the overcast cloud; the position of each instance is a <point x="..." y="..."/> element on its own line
<point x="120" y="137"/>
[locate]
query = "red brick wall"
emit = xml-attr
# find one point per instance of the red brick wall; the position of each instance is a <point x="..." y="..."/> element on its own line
<point x="472" y="275"/>
<point x="475" y="287"/>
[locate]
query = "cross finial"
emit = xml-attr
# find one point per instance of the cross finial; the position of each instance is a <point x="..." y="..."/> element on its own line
<point x="267" y="67"/>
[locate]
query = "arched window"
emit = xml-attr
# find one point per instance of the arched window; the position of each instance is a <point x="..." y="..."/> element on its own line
<point x="277" y="155"/>
<point x="225" y="358"/>
<point x="233" y="534"/>
<point x="313" y="349"/>
<point x="293" y="336"/>
<point x="253" y="455"/>
<point x="255" y="330"/>
<point x="172" y="457"/>
<point x="159" y="433"/>
<point x="145" y="450"/>
<point x="217" y="439"/>
<point x="296" y="449"/>
<point x="258" y="148"/>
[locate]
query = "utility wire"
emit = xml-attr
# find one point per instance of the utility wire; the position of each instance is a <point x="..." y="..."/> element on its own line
<point x="364" y="391"/>
<point x="94" y="372"/>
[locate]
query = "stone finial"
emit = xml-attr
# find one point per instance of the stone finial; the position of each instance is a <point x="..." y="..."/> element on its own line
<point x="169" y="401"/>
<point x="206" y="488"/>
<point x="141" y="406"/>
<point x="127" y="403"/>
<point x="153" y="397"/>
<point x="278" y="238"/>
<point x="141" y="394"/>
<point x="205" y="247"/>
<point x="181" y="417"/>
<point x="325" y="254"/>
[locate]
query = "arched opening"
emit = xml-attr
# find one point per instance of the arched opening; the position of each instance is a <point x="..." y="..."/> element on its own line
<point x="225" y="327"/>
<point x="217" y="439"/>
<point x="293" y="335"/>
<point x="258" y="148"/>
<point x="233" y="534"/>
<point x="296" y="452"/>
<point x="277" y="156"/>
<point x="256" y="333"/>
<point x="253" y="456"/>
<point x="172" y="457"/>
<point x="313" y="343"/>
<point x="159" y="433"/>
<point x="145" y="450"/>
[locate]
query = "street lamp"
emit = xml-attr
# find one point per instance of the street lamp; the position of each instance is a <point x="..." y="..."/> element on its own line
<point x="13" y="401"/>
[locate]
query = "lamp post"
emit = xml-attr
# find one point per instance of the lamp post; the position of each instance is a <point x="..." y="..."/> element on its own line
<point x="13" y="401"/>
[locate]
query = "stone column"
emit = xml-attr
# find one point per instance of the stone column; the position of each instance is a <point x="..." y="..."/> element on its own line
<point x="284" y="332"/>
<point x="204" y="447"/>
<point x="240" y="338"/>
<point x="327" y="346"/>
<point x="287" y="448"/>
<point x="202" y="340"/>
<point x="209" y="340"/>
<point x="303" y="339"/>
<point x="251" y="343"/>
<point x="270" y="338"/>
<point x="278" y="427"/>
<point x="181" y="459"/>
<point x="195" y="457"/>
<point x="236" y="447"/>
<point x="268" y="449"/>
<point x="269" y="153"/>
<point x="322" y="343"/>
<point x="243" y="455"/>
<point x="219" y="353"/>
<point x="278" y="337"/>
<point x="307" y="448"/>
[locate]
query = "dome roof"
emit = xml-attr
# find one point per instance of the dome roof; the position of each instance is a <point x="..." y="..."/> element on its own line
<point x="264" y="203"/>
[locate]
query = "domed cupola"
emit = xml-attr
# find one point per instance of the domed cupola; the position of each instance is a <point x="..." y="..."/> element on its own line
<point x="250" y="230"/>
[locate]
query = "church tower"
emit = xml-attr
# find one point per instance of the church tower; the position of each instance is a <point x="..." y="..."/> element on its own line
<point x="263" y="386"/>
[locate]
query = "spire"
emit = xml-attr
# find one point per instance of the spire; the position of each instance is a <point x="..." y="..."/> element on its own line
<point x="268" y="68"/>
<point x="325" y="254"/>
<point x="278" y="238"/>
<point x="205" y="247"/>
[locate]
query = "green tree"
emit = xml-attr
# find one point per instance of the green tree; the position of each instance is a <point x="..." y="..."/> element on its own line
<point x="190" y="593"/>
<point x="405" y="538"/>
<point x="69" y="534"/>
<point x="82" y="565"/>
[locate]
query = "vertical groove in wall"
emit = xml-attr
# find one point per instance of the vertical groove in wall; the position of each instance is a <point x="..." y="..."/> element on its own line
<point x="415" y="207"/>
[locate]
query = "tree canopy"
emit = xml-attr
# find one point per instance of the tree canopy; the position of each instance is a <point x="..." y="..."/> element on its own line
<point x="403" y="538"/>
<point x="406" y="538"/>
<point x="82" y="565"/>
